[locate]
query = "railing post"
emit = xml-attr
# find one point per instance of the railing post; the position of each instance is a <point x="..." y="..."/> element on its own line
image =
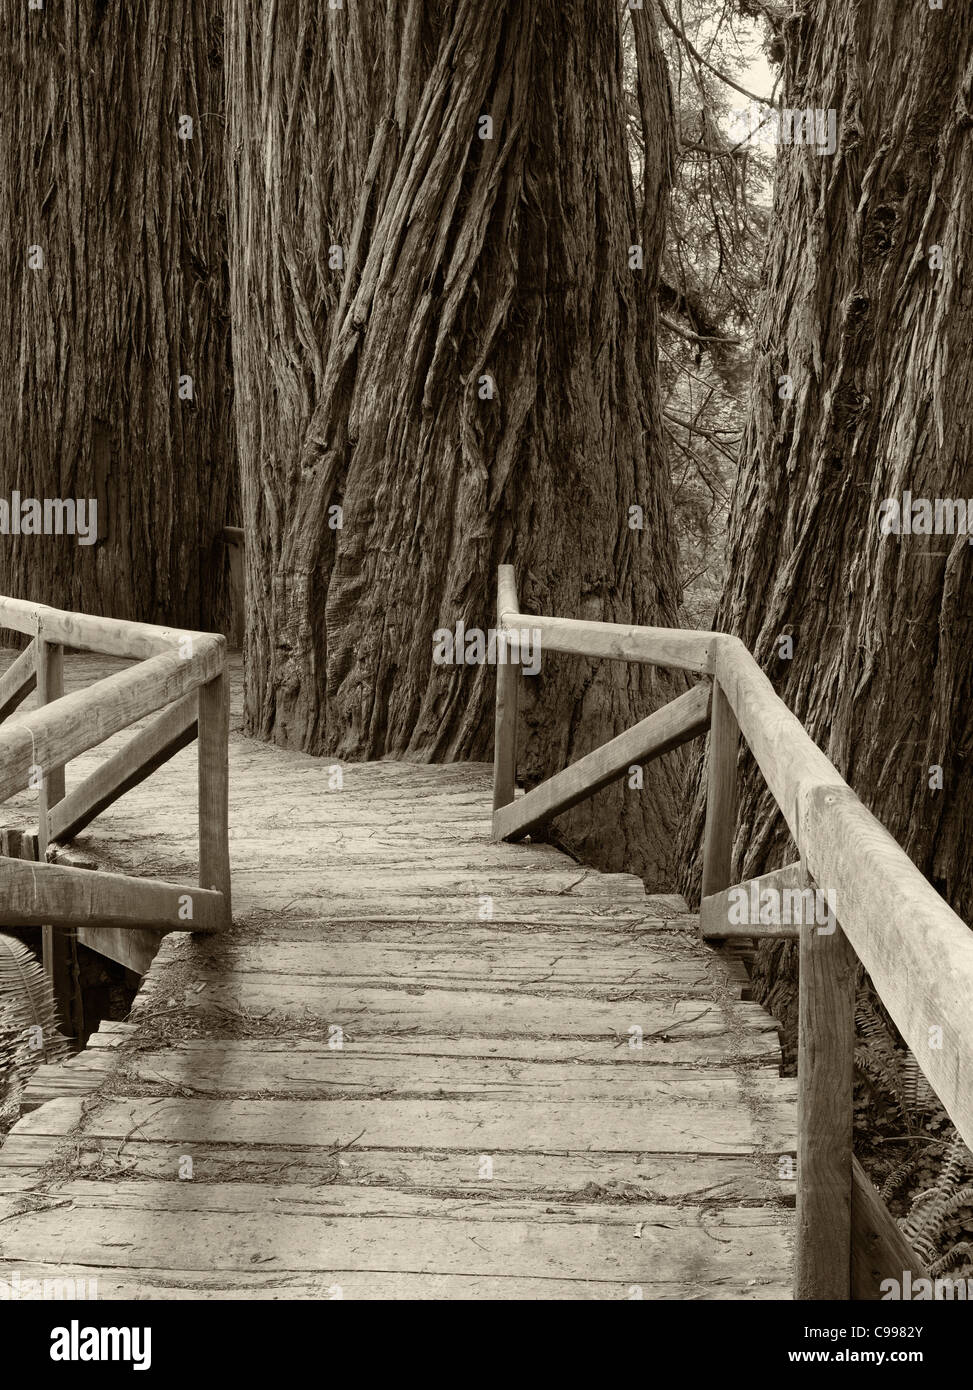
<point x="505" y="728"/>
<point x="825" y="1076"/>
<point x="214" y="786"/>
<point x="721" y="796"/>
<point x="57" y="944"/>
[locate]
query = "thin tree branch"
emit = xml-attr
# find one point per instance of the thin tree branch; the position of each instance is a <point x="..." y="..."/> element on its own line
<point x="690" y="48"/>
<point x="696" y="337"/>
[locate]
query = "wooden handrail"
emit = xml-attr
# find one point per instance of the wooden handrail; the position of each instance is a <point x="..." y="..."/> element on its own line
<point x="181" y="673"/>
<point x="58" y="732"/>
<point x="87" y="632"/>
<point x="18" y="681"/>
<point x="917" y="951"/>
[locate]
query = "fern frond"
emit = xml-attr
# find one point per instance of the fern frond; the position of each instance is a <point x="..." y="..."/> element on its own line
<point x="28" y="997"/>
<point x="951" y="1258"/>
<point x="874" y="1066"/>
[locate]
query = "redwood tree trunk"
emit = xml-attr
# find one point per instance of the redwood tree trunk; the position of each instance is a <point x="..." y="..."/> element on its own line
<point x="360" y="375"/>
<point x="127" y="294"/>
<point x="877" y="342"/>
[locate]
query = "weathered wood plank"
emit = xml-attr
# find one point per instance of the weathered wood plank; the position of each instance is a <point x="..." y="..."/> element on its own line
<point x="721" y="796"/>
<point x="879" y="1250"/>
<point x="669" y="1125"/>
<point x="133" y="947"/>
<point x="127" y="1283"/>
<point x="706" y="1179"/>
<point x="513" y="962"/>
<point x="788" y="758"/>
<point x="670" y="727"/>
<point x="825" y="1072"/>
<point x="57" y="948"/>
<point x="656" y="646"/>
<point x="364" y="1011"/>
<point x="508" y="687"/>
<point x="42" y="894"/>
<point x="139" y="1225"/>
<point x="18" y="680"/>
<point x="214" y="787"/>
<point x="714" y="919"/>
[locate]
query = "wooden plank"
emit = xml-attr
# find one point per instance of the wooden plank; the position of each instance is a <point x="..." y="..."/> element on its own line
<point x="825" y="1073"/>
<point x="364" y="1011"/>
<point x="18" y="680"/>
<point x="50" y="687"/>
<point x="501" y="966"/>
<point x="714" y="911"/>
<point x="475" y="1125"/>
<point x="42" y="894"/>
<point x="122" y="1282"/>
<point x="57" y="733"/>
<point x="879" y="1250"/>
<point x="237" y="1068"/>
<point x="214" y="787"/>
<point x="505" y="727"/>
<point x="58" y="948"/>
<point x="18" y="615"/>
<point x="133" y="947"/>
<point x="753" y="1047"/>
<point x="668" y="728"/>
<point x="655" y="646"/>
<point x="154" y="745"/>
<point x="708" y="1180"/>
<point x="243" y="1067"/>
<point x="302" y="899"/>
<point x="788" y="758"/>
<point x="575" y="881"/>
<point x="721" y="797"/>
<point x="86" y="632"/>
<point x="228" y="1226"/>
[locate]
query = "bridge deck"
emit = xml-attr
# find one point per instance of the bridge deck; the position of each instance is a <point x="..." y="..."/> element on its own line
<point x="486" y="1129"/>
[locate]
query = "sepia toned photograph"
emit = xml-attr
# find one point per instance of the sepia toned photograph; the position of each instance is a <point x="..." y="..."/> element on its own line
<point x="486" y="666"/>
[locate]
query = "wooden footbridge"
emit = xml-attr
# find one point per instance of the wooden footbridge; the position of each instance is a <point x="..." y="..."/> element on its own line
<point x="425" y="1059"/>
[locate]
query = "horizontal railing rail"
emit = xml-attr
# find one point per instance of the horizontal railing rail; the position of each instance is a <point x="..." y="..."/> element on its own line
<point x="180" y="680"/>
<point x="916" y="949"/>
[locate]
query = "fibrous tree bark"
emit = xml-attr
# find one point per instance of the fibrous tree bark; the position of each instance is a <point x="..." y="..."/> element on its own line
<point x="439" y="331"/>
<point x="113" y="221"/>
<point x="861" y="394"/>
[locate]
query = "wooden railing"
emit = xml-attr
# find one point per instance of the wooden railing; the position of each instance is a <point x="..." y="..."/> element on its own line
<point x="181" y="680"/>
<point x="917" y="951"/>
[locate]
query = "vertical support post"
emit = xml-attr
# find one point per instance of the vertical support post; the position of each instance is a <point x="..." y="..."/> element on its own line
<point x="721" y="796"/>
<point x="825" y="1075"/>
<point x="505" y="731"/>
<point x="214" y="786"/>
<point x="50" y="686"/>
<point x="505" y="727"/>
<point x="58" y="947"/>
